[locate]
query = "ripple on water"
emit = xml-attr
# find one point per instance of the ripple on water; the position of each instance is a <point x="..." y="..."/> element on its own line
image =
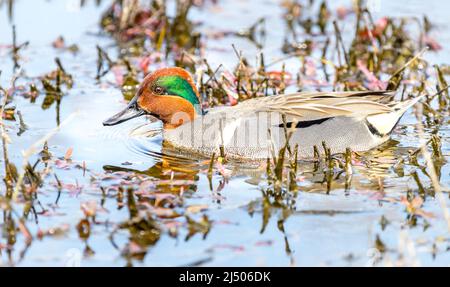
<point x="144" y="140"/>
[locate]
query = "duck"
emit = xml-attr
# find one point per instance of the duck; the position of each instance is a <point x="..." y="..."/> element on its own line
<point x="314" y="122"/>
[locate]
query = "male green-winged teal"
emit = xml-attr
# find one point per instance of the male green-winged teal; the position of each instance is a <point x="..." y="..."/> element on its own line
<point x="255" y="128"/>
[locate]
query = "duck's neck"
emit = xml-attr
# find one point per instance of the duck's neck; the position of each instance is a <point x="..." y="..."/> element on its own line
<point x="175" y="123"/>
<point x="173" y="111"/>
<point x="168" y="126"/>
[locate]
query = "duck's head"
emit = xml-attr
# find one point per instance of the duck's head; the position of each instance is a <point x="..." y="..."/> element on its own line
<point x="168" y="94"/>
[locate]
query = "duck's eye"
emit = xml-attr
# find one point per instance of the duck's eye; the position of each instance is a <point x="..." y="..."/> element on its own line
<point x="158" y="90"/>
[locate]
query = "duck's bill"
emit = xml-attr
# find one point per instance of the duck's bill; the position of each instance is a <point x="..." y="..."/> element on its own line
<point x="130" y="112"/>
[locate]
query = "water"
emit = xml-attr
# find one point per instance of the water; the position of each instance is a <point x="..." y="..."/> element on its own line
<point x="338" y="228"/>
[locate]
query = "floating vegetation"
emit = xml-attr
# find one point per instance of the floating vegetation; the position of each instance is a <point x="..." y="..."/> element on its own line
<point x="60" y="44"/>
<point x="16" y="47"/>
<point x="140" y="30"/>
<point x="52" y="84"/>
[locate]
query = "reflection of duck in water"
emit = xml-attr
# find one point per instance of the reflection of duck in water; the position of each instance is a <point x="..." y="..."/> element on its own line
<point x="173" y="175"/>
<point x="369" y="169"/>
<point x="160" y="197"/>
<point x="358" y="120"/>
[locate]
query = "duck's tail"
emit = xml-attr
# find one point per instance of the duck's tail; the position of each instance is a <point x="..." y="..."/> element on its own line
<point x="384" y="124"/>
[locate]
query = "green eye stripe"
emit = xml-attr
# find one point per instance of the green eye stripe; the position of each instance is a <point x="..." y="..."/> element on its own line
<point x="177" y="86"/>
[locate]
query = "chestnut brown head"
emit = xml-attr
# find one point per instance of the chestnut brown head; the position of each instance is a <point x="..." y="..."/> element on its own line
<point x="168" y="94"/>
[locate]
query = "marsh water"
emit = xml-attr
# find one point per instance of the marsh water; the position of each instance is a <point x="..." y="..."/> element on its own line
<point x="212" y="220"/>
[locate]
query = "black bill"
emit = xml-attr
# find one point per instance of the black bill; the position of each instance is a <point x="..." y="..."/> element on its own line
<point x="130" y="112"/>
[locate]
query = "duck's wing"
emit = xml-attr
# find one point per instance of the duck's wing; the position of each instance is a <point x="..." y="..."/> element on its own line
<point x="318" y="105"/>
<point x="384" y="97"/>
